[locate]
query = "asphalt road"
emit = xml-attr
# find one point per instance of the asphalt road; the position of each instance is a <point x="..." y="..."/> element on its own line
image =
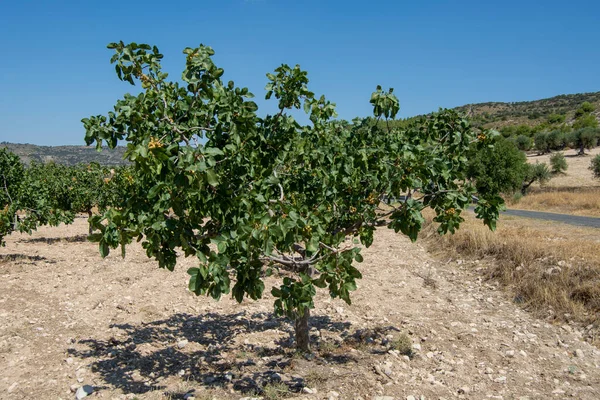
<point x="593" y="222"/>
<point x="563" y="218"/>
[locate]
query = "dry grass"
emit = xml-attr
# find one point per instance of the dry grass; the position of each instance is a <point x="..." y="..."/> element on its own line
<point x="553" y="269"/>
<point x="582" y="201"/>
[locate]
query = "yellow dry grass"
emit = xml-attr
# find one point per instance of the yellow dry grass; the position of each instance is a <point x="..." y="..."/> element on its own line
<point x="583" y="201"/>
<point x="553" y="269"/>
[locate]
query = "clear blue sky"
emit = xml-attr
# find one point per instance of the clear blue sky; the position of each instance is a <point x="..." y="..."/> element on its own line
<point x="54" y="65"/>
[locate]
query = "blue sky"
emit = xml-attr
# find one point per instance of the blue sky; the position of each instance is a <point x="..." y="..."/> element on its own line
<point x="54" y="65"/>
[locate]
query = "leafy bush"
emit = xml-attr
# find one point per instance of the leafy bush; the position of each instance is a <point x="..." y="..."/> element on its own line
<point x="595" y="166"/>
<point x="557" y="140"/>
<point x="587" y="121"/>
<point x="556" y="118"/>
<point x="558" y="163"/>
<point x="523" y="143"/>
<point x="585" y="108"/>
<point x="541" y="142"/>
<point x="498" y="169"/>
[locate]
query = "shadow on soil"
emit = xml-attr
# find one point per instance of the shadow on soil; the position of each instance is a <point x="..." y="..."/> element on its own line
<point x="213" y="356"/>
<point x="70" y="239"/>
<point x="5" y="258"/>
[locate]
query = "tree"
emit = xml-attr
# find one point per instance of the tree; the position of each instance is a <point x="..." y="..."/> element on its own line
<point x="558" y="163"/>
<point x="586" y="121"/>
<point x="523" y="142"/>
<point x="582" y="139"/>
<point x="537" y="172"/>
<point x="248" y="195"/>
<point x="557" y="140"/>
<point x="33" y="196"/>
<point x="595" y="166"/>
<point x="541" y="142"/>
<point x="498" y="169"/>
<point x="11" y="174"/>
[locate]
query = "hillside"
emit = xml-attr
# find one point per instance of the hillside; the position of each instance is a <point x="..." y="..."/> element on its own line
<point x="498" y="114"/>
<point x="69" y="155"/>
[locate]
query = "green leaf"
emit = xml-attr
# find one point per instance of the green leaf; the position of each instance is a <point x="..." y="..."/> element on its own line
<point x="211" y="178"/>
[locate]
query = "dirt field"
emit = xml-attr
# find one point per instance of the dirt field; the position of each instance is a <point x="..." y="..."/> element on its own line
<point x="578" y="173"/>
<point x="131" y="330"/>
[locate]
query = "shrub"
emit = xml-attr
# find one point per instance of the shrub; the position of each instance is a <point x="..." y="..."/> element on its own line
<point x="556" y="118"/>
<point x="501" y="169"/>
<point x="403" y="344"/>
<point x="557" y="140"/>
<point x="585" y="108"/>
<point x="541" y="142"/>
<point x="523" y="143"/>
<point x="558" y="163"/>
<point x="595" y="166"/>
<point x="587" y="121"/>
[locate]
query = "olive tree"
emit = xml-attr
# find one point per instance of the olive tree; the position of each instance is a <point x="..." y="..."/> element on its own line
<point x="248" y="194"/>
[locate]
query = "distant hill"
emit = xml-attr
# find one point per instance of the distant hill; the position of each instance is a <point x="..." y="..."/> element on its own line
<point x="497" y="115"/>
<point x="68" y="155"/>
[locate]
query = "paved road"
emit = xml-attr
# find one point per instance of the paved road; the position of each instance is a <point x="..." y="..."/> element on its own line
<point x="593" y="222"/>
<point x="563" y="218"/>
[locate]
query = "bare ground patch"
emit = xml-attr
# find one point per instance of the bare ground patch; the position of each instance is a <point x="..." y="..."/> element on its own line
<point x="131" y="330"/>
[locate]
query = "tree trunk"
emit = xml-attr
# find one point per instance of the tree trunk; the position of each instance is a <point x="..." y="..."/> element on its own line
<point x="90" y="230"/>
<point x="302" y="329"/>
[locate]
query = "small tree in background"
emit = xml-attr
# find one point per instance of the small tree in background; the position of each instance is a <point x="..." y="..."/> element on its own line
<point x="582" y="139"/>
<point x="541" y="142"/>
<point x="523" y="143"/>
<point x="585" y="108"/>
<point x="595" y="166"/>
<point x="538" y="172"/>
<point x="557" y="140"/>
<point x="558" y="163"/>
<point x="33" y="196"/>
<point x="586" y="121"/>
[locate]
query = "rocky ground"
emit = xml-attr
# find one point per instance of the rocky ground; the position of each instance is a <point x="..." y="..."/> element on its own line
<point x="71" y="322"/>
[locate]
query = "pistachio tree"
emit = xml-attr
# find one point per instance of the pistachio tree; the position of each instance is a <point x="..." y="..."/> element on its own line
<point x="33" y="196"/>
<point x="247" y="194"/>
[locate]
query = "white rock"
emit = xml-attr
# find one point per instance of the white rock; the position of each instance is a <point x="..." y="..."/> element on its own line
<point x="69" y="360"/>
<point x="182" y="343"/>
<point x="578" y="353"/>
<point x="410" y="398"/>
<point x="84" y="391"/>
<point x="510" y="353"/>
<point x="500" y="379"/>
<point x="416" y="346"/>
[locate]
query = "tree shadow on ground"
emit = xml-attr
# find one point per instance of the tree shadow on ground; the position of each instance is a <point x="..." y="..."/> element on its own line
<point x="52" y="240"/>
<point x="205" y="349"/>
<point x="21" y="258"/>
